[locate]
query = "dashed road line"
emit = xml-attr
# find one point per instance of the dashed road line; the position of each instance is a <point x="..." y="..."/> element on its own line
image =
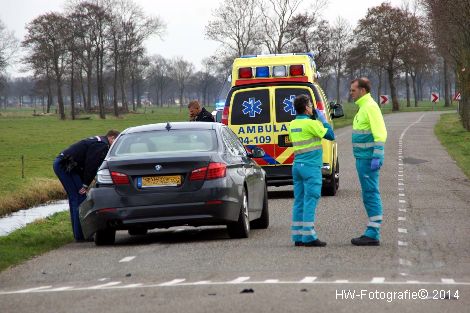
<point x="172" y="282"/>
<point x="377" y="280"/>
<point x="403" y="230"/>
<point x="112" y="283"/>
<point x="127" y="259"/>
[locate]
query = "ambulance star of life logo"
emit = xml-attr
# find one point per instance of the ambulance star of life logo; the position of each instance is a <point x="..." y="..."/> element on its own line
<point x="251" y="107"/>
<point x="289" y="105"/>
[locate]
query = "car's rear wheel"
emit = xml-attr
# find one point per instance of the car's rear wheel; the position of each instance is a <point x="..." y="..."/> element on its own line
<point x="263" y="221"/>
<point x="330" y="188"/>
<point x="105" y="237"/>
<point x="137" y="231"/>
<point x="240" y="228"/>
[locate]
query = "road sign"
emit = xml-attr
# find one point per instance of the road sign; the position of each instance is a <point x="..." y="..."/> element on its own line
<point x="383" y="99"/>
<point x="434" y="97"/>
<point x="457" y="96"/>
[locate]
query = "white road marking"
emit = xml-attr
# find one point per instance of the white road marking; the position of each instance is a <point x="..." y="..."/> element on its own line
<point x="239" y="280"/>
<point x="402" y="243"/>
<point x="402" y="210"/>
<point x="402" y="218"/>
<point x="404" y="262"/>
<point x="33" y="289"/>
<point x="401" y="194"/>
<point x="402" y="201"/>
<point x="401" y="189"/>
<point x="127" y="259"/>
<point x="173" y="282"/>
<point x="401" y="184"/>
<point x="308" y="279"/>
<point x="202" y="282"/>
<point x="102" y="279"/>
<point x="271" y="281"/>
<point x="112" y="283"/>
<point x="402" y="230"/>
<point x="377" y="280"/>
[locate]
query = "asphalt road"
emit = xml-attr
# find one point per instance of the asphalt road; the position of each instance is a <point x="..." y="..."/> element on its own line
<point x="425" y="251"/>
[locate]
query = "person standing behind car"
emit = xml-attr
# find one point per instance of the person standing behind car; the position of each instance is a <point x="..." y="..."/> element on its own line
<point x="198" y="114"/>
<point x="305" y="135"/>
<point x="368" y="140"/>
<point x="76" y="168"/>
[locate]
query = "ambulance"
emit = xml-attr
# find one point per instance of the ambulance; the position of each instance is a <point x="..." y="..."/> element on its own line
<point x="260" y="106"/>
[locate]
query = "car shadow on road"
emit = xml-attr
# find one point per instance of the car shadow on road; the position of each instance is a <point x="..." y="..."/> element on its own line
<point x="281" y="194"/>
<point x="174" y="236"/>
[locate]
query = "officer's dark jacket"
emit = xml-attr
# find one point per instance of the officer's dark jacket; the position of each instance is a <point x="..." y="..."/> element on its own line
<point x="204" y="116"/>
<point x="88" y="153"/>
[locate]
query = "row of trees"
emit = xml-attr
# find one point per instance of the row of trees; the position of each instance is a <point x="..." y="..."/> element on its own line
<point x="388" y="44"/>
<point x="85" y="42"/>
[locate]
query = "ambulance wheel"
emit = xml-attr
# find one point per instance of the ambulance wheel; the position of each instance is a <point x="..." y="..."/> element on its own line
<point x="263" y="221"/>
<point x="240" y="228"/>
<point x="332" y="184"/>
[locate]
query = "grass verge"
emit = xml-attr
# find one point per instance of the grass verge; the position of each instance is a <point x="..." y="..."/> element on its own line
<point x="34" y="239"/>
<point x="455" y="139"/>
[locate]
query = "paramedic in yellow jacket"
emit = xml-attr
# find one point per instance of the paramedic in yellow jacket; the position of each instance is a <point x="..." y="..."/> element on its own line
<point x="368" y="140"/>
<point x="306" y="135"/>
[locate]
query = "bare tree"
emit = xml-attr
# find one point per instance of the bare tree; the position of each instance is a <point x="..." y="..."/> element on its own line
<point x="182" y="71"/>
<point x="46" y="41"/>
<point x="8" y="45"/>
<point x="340" y="45"/>
<point x="278" y="15"/>
<point x="236" y="25"/>
<point x="384" y="33"/>
<point x="159" y="76"/>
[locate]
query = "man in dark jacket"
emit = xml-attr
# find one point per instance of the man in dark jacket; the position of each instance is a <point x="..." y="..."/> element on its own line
<point x="76" y="168"/>
<point x="198" y="114"/>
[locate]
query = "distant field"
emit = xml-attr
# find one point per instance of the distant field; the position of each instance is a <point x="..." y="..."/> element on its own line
<point x="40" y="138"/>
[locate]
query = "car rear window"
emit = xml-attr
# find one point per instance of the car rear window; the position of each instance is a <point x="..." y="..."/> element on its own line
<point x="187" y="140"/>
<point x="285" y="111"/>
<point x="251" y="107"/>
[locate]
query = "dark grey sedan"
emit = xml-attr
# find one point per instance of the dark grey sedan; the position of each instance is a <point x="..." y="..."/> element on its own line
<point x="171" y="174"/>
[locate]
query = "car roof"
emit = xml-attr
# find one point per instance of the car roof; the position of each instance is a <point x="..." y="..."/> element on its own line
<point x="173" y="126"/>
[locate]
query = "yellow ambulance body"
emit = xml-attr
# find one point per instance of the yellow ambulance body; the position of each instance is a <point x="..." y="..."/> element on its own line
<point x="260" y="106"/>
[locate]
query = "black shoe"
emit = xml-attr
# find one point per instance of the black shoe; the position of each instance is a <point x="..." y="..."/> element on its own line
<point x="315" y="243"/>
<point x="365" y="241"/>
<point x="298" y="243"/>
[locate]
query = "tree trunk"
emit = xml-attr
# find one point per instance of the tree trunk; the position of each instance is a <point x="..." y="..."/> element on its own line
<point x="393" y="91"/>
<point x="115" y="81"/>
<point x="407" y="84"/>
<point x="99" y="82"/>
<point x="138" y="91"/>
<point x="379" y="87"/>
<point x="133" y="90"/>
<point x="446" y="85"/>
<point x="338" y="83"/>
<point x="72" y="91"/>
<point x="82" y="89"/>
<point x="89" y="81"/>
<point x="413" y="82"/>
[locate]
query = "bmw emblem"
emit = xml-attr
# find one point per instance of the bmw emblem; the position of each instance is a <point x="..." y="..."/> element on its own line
<point x="158" y="167"/>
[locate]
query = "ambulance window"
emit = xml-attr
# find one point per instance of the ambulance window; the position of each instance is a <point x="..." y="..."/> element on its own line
<point x="316" y="92"/>
<point x="251" y="107"/>
<point x="285" y="111"/>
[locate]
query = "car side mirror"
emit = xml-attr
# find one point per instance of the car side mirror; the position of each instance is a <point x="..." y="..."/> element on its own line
<point x="256" y="152"/>
<point x="337" y="110"/>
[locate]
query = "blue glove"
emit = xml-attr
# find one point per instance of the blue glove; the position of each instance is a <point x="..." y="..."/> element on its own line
<point x="320" y="116"/>
<point x="375" y="164"/>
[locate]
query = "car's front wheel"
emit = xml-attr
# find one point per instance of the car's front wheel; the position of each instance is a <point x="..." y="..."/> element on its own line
<point x="241" y="228"/>
<point x="105" y="237"/>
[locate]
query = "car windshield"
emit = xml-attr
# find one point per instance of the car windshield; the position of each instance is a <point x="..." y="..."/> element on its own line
<point x="163" y="141"/>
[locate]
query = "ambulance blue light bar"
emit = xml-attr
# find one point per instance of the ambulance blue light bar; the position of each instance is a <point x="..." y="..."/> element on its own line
<point x="262" y="71"/>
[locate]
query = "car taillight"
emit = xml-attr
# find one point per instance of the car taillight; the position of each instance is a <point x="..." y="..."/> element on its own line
<point x="225" y="115"/>
<point x="213" y="171"/>
<point x="216" y="170"/>
<point x="120" y="178"/>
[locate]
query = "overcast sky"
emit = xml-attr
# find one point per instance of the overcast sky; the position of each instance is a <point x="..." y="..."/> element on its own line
<point x="185" y="20"/>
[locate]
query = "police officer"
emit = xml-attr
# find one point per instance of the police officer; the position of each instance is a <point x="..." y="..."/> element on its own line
<point x="368" y="139"/>
<point x="198" y="114"/>
<point x="306" y="135"/>
<point x="76" y="168"/>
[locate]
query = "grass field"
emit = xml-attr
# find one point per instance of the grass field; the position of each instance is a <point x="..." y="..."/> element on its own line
<point x="455" y="139"/>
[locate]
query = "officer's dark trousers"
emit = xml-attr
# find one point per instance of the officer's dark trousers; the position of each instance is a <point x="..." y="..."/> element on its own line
<point x="72" y="184"/>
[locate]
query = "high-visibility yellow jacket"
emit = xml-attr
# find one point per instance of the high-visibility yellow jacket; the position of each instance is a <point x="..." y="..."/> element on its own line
<point x="369" y="133"/>
<point x="306" y="135"/>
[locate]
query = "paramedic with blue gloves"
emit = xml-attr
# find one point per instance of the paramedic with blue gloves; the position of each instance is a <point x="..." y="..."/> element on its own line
<point x="368" y="140"/>
<point x="305" y="135"/>
<point x="76" y="168"/>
